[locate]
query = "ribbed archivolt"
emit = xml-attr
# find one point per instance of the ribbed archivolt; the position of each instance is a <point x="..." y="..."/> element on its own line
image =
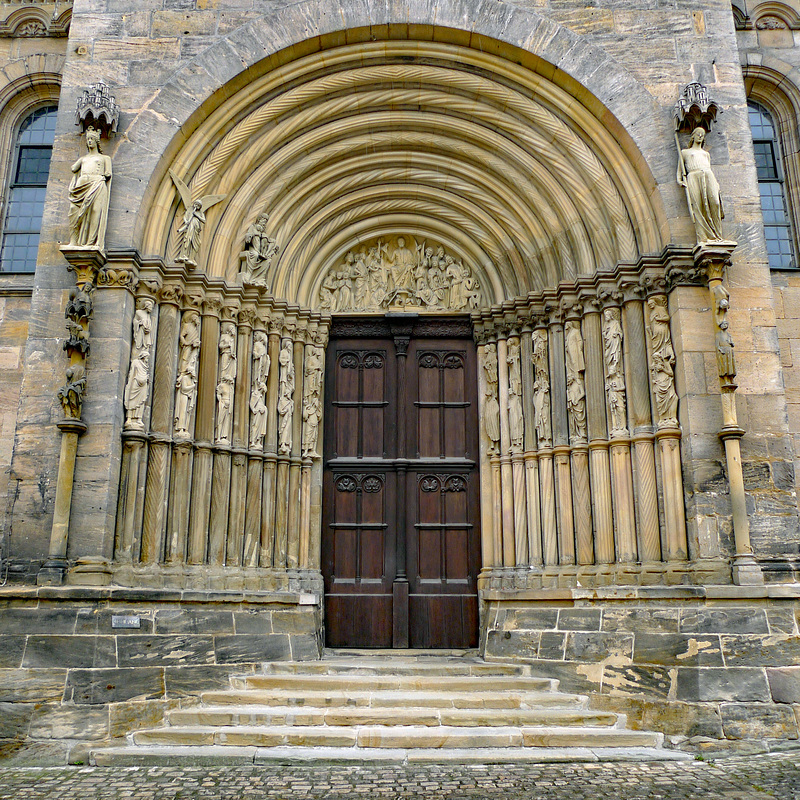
<point x="500" y="165"/>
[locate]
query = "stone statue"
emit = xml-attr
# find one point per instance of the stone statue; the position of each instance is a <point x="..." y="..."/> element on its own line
<point x="194" y="220"/>
<point x="71" y="395"/>
<point x="702" y="189"/>
<point x="285" y="397"/>
<point x="402" y="266"/>
<point x="226" y="382"/>
<point x="137" y="387"/>
<point x="615" y="377"/>
<point x="662" y="369"/>
<point x="491" y="405"/>
<point x="78" y="339"/>
<point x="79" y="305"/>
<point x="260" y="357"/>
<point x="515" y="420"/>
<point x="312" y="401"/>
<point x="726" y="363"/>
<point x="186" y="383"/>
<point x="258" y="419"/>
<point x="541" y="389"/>
<point x="260" y="250"/>
<point x="576" y="381"/>
<point x="89" y="193"/>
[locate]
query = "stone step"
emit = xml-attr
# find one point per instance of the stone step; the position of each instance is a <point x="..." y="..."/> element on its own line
<point x="397" y="666"/>
<point x="250" y="715"/>
<point x="398" y="698"/>
<point x="404" y="737"/>
<point x="218" y="755"/>
<point x="457" y="683"/>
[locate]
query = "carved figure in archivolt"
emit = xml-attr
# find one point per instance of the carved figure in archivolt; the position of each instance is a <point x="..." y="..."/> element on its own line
<point x="702" y="189"/>
<point x="194" y="219"/>
<point x="89" y="193"/>
<point x="312" y="401"/>
<point x="285" y="397"/>
<point x="541" y="389"/>
<point x="615" y="376"/>
<point x="515" y="420"/>
<point x="226" y="382"/>
<point x="137" y="387"/>
<point x="576" y="381"/>
<point x="259" y="252"/>
<point x="662" y="369"/>
<point x="491" y="404"/>
<point x="186" y="383"/>
<point x="393" y="274"/>
<point x="258" y="390"/>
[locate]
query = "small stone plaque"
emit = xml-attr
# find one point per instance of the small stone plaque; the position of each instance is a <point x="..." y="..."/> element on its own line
<point x="121" y="621"/>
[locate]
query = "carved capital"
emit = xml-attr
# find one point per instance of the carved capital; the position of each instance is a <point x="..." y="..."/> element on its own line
<point x="85" y="263"/>
<point x="149" y="287"/>
<point x="170" y="293"/>
<point x="193" y="298"/>
<point x="714" y="258"/>
<point x="118" y="278"/>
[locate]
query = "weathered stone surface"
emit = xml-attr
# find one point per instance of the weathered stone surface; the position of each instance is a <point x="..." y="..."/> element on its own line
<point x="752" y="721"/>
<point x="165" y="650"/>
<point x="551" y="645"/>
<point x="15" y="719"/>
<point x="31" y="685"/>
<point x="724" y="620"/>
<point x="305" y="647"/>
<point x="682" y="718"/>
<point x="49" y="620"/>
<point x="294" y="622"/>
<point x="767" y="651"/>
<point x="33" y="754"/>
<point x="598" y="646"/>
<point x="782" y="620"/>
<point x="11" y="650"/>
<point x="632" y="679"/>
<point x="714" y="683"/>
<point x="252" y="621"/>
<point x="784" y="684"/>
<point x="572" y="677"/>
<point x="515" y="643"/>
<point x="535" y="619"/>
<point x="677" y="650"/>
<point x="272" y="647"/>
<point x="641" y="620"/>
<point x="98" y="620"/>
<point x="126" y="717"/>
<point x="188" y="680"/>
<point x="70" y="651"/>
<point x="190" y="620"/>
<point x="94" y="686"/>
<point x="69" y="722"/>
<point x="579" y="619"/>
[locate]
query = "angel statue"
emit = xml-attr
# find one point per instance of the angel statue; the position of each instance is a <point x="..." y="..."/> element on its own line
<point x="194" y="220"/>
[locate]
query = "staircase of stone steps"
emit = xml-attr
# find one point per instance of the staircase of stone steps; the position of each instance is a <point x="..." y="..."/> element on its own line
<point x="367" y="706"/>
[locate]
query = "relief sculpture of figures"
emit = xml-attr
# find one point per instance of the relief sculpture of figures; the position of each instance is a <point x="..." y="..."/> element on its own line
<point x="259" y="253"/>
<point x="194" y="219"/>
<point x="285" y="397"/>
<point x="662" y="369"/>
<point x="186" y="383"/>
<point x="137" y="387"/>
<point x="515" y="420"/>
<point x="491" y="405"/>
<point x="541" y="389"/>
<point x="576" y="381"/>
<point x="89" y="193"/>
<point x="226" y="382"/>
<point x="312" y="401"/>
<point x="258" y="391"/>
<point x="71" y="395"/>
<point x="383" y="275"/>
<point x="702" y="189"/>
<point x="615" y="376"/>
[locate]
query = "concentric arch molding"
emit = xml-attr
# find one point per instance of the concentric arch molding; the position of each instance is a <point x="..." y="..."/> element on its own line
<point x="482" y="155"/>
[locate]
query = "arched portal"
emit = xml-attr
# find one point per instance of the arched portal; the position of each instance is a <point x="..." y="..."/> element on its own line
<point x="422" y="178"/>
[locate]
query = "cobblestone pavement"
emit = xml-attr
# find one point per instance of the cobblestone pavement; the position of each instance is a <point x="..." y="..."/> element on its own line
<point x="752" y="778"/>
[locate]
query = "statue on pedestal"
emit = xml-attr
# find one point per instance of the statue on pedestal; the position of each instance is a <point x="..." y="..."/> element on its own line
<point x="89" y="193"/>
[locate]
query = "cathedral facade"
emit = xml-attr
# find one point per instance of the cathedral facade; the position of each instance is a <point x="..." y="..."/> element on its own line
<point x="430" y="325"/>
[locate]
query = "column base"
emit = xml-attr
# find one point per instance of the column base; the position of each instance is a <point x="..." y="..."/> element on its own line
<point x="90" y="571"/>
<point x="746" y="572"/>
<point x="52" y="572"/>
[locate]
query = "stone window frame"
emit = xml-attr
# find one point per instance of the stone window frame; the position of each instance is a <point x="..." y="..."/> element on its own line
<point x="781" y="98"/>
<point x="16" y="107"/>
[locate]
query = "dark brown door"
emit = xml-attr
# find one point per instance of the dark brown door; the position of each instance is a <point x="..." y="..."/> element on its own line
<point x="400" y="549"/>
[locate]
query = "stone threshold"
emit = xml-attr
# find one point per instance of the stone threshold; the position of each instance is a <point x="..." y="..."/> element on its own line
<point x="647" y="593"/>
<point x="131" y="595"/>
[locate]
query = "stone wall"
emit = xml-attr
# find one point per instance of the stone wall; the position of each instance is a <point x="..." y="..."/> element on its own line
<point x="71" y="676"/>
<point x="695" y="663"/>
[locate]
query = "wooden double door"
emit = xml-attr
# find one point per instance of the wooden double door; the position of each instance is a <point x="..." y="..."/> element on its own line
<point x="401" y="538"/>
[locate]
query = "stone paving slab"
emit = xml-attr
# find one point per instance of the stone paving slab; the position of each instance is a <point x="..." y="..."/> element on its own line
<point x="766" y="777"/>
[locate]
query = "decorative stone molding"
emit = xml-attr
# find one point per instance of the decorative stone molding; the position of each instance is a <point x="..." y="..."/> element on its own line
<point x="40" y="20"/>
<point x="97" y="108"/>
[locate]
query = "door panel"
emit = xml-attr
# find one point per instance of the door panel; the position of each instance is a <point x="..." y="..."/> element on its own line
<point x="401" y="539"/>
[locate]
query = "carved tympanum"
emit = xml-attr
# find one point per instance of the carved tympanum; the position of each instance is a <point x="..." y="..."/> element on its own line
<point x="400" y="273"/>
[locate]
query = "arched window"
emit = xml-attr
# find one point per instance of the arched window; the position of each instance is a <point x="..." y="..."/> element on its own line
<point x="25" y="201"/>
<point x="777" y="225"/>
